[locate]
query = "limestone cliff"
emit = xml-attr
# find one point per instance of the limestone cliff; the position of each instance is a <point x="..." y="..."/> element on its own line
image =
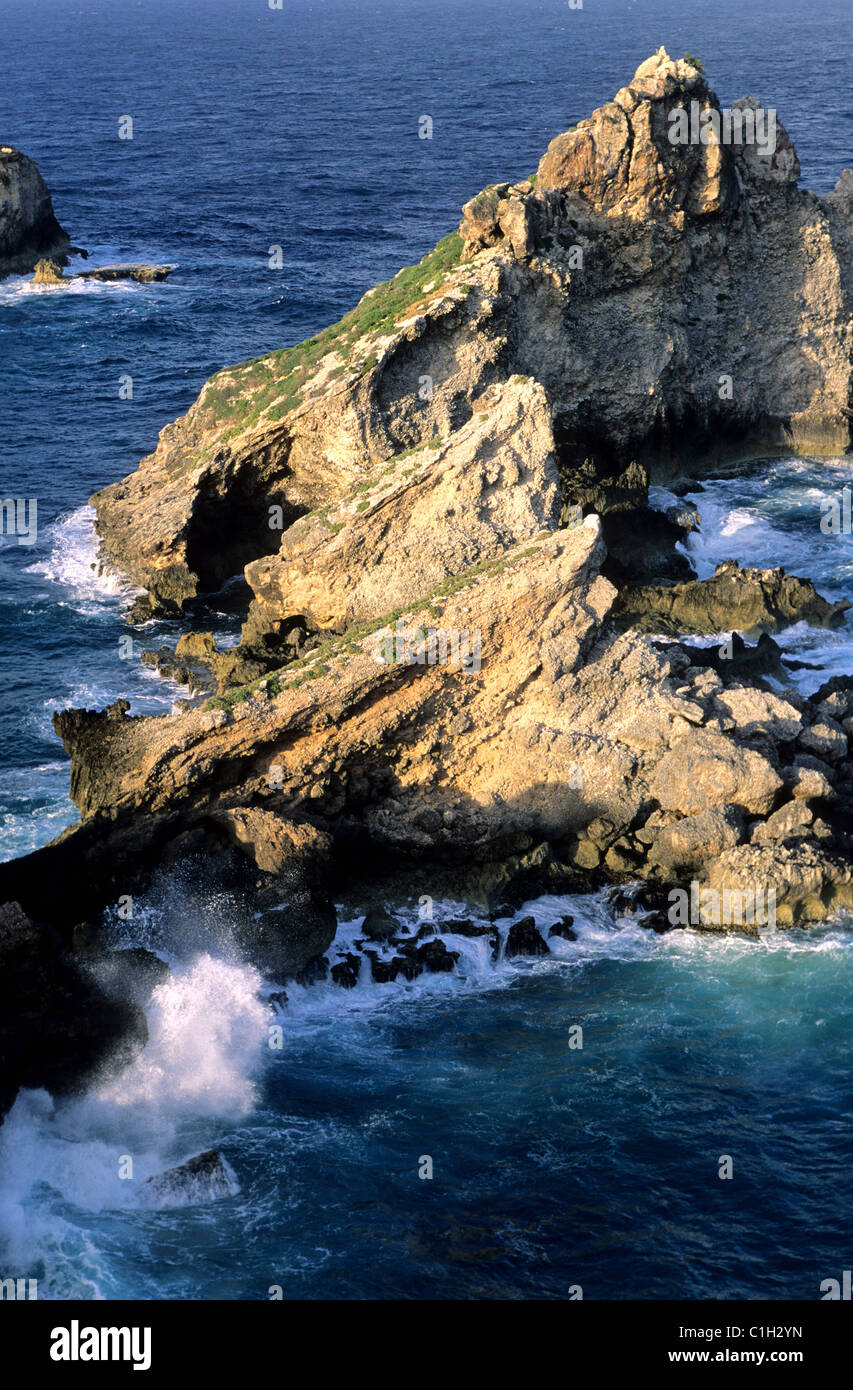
<point x="668" y="299"/>
<point x="28" y="226"/>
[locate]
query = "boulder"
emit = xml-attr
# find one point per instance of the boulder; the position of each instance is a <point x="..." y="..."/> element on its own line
<point x="809" y="779"/>
<point x="277" y="845"/>
<point x="689" y="843"/>
<point x="707" y="769"/>
<point x="525" y="939"/>
<point x="379" y="925"/>
<point x="208" y="1177"/>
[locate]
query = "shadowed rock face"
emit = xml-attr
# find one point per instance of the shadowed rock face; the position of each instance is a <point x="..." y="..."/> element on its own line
<point x="60" y="1024"/>
<point x="28" y="226"/>
<point x="667" y="298"/>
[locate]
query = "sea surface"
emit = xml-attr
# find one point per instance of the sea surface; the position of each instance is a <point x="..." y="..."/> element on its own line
<point x="552" y="1167"/>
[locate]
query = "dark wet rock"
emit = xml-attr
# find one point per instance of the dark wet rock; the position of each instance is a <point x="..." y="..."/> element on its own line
<point x="278" y="998"/>
<point x="738" y="660"/>
<point x="207" y="1177"/>
<point x="465" y="926"/>
<point x="427" y="929"/>
<point x="345" y="971"/>
<point x="525" y="939"/>
<point x="435" y="957"/>
<point x="131" y="975"/>
<point x="313" y="972"/>
<point x="656" y="920"/>
<point x="748" y="600"/>
<point x="142" y="274"/>
<point x="282" y="942"/>
<point x="386" y="971"/>
<point x="563" y="928"/>
<point x="59" y="1029"/>
<point x="379" y="925"/>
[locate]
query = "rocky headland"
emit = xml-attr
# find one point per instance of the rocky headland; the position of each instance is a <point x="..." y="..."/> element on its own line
<point x="466" y="670"/>
<point x="28" y="226"/>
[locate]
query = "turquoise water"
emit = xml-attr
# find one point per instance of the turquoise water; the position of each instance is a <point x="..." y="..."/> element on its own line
<point x="552" y="1165"/>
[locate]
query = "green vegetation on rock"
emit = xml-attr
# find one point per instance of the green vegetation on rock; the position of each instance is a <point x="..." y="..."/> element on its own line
<point x="272" y="385"/>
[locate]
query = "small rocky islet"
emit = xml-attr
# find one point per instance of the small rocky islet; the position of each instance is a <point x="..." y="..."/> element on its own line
<point x="469" y="452"/>
<point x="31" y="238"/>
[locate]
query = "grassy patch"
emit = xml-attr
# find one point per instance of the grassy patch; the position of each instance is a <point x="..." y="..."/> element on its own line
<point x="273" y="385"/>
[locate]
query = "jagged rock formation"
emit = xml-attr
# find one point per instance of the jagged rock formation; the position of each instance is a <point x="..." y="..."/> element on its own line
<point x="667" y="298"/>
<point x="750" y="600"/>
<point x="435" y="672"/>
<point x="562" y="741"/>
<point x="28" y="226"/>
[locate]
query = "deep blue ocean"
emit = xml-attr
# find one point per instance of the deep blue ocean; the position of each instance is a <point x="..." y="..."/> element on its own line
<point x="552" y="1168"/>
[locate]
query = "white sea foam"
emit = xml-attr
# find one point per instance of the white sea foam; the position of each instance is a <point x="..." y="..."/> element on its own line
<point x="206" y="1028"/>
<point x="72" y="560"/>
<point x="207" y="1043"/>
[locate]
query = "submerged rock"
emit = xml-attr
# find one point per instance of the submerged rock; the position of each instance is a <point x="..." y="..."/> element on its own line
<point x="207" y="1177"/>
